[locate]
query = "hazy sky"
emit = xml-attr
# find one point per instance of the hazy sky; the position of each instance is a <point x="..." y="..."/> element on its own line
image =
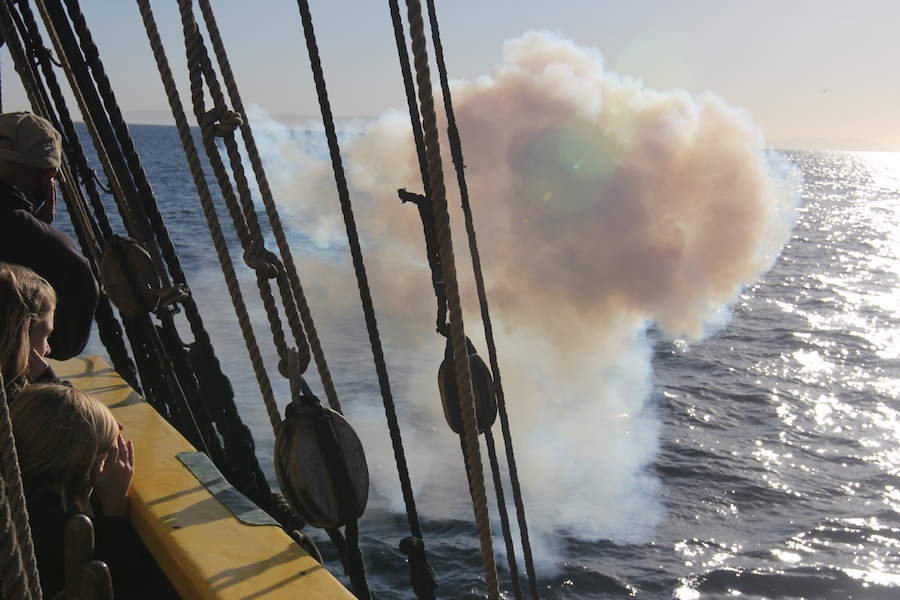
<point x="803" y="68"/>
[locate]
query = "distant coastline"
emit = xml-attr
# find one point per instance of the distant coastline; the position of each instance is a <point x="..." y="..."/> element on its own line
<point x="313" y="122"/>
<point x="307" y="122"/>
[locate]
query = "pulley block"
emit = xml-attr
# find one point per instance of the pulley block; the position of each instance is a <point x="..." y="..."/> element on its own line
<point x="320" y="465"/>
<point x="482" y="388"/>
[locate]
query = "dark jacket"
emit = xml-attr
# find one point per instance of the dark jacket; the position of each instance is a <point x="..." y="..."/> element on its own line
<point x="135" y="575"/>
<point x="115" y="542"/>
<point x="26" y="240"/>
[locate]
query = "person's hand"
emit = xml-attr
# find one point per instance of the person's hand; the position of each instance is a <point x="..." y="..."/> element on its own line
<point x="112" y="477"/>
<point x="37" y="366"/>
<point x="46" y="212"/>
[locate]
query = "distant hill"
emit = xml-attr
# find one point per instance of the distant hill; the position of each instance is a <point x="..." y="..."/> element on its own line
<point x="149" y="117"/>
<point x="312" y="122"/>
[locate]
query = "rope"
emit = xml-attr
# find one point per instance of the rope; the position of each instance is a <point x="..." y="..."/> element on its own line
<point x="221" y="122"/>
<point x="245" y="223"/>
<point x="504" y="517"/>
<point x="426" y="212"/>
<point x="13" y="582"/>
<point x="459" y="163"/>
<point x="205" y="197"/>
<point x="274" y="504"/>
<point x="193" y="380"/>
<point x="87" y="229"/>
<point x="458" y="337"/>
<point x="420" y="569"/>
<point x="166" y="391"/>
<point x="23" y="66"/>
<point x="293" y="297"/>
<point x="19" y="573"/>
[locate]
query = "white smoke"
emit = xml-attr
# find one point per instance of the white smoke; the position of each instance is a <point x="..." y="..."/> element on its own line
<point x="600" y="207"/>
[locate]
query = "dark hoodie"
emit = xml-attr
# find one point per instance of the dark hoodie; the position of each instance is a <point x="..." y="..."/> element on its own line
<point x="26" y="240"/>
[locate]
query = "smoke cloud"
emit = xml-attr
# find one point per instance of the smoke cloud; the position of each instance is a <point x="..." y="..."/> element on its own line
<point x="601" y="207"/>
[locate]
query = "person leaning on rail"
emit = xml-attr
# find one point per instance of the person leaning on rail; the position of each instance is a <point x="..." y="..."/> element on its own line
<point x="30" y="157"/>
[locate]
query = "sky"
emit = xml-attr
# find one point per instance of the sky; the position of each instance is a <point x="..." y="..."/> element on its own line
<point x="805" y="69"/>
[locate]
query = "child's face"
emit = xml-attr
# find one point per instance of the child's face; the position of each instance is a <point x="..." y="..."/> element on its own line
<point x="40" y="332"/>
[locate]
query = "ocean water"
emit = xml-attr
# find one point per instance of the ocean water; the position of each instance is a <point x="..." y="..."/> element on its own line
<point x="779" y="437"/>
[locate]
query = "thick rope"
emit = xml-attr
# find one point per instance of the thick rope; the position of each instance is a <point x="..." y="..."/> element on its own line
<point x="209" y="213"/>
<point x="131" y="220"/>
<point x="88" y="230"/>
<point x="360" y="270"/>
<point x="152" y="221"/>
<point x="265" y="264"/>
<point x="193" y="379"/>
<point x="504" y="519"/>
<point x="165" y="388"/>
<point x="23" y="66"/>
<point x="459" y="164"/>
<point x="74" y="200"/>
<point x="195" y="59"/>
<point x="245" y="222"/>
<point x="223" y="408"/>
<point x="294" y="299"/>
<point x="13" y="580"/>
<point x="458" y="337"/>
<point x="361" y="276"/>
<point x="17" y="550"/>
<point x="171" y="386"/>
<point x="221" y="122"/>
<point x="426" y="213"/>
<point x="275" y="505"/>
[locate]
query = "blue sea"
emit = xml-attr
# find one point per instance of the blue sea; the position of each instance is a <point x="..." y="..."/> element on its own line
<point x="779" y="435"/>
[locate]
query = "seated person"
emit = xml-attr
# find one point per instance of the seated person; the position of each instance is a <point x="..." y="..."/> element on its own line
<point x="27" y="306"/>
<point x="73" y="460"/>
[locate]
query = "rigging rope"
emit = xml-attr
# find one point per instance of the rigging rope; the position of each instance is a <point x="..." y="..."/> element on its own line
<point x="293" y="297"/>
<point x="459" y="164"/>
<point x="107" y="325"/>
<point x="158" y="369"/>
<point x="19" y="572"/>
<point x="135" y="199"/>
<point x="458" y="337"/>
<point x="423" y="203"/>
<point x="421" y="573"/>
<point x="209" y="212"/>
<point x="274" y="504"/>
<point x="192" y="377"/>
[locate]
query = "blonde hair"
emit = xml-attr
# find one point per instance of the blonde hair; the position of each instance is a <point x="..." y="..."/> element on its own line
<point x="60" y="431"/>
<point x="25" y="299"/>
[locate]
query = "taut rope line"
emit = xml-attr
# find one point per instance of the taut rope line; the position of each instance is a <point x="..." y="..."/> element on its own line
<point x="458" y="337"/>
<point x="456" y="153"/>
<point x="19" y="574"/>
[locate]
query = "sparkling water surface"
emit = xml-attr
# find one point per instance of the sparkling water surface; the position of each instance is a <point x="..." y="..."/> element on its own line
<point x="779" y="439"/>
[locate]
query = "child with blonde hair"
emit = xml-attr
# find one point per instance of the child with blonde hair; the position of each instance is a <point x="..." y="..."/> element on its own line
<point x="71" y="452"/>
<point x="27" y="308"/>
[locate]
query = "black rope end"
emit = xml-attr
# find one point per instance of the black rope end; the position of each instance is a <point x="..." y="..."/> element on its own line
<point x="421" y="574"/>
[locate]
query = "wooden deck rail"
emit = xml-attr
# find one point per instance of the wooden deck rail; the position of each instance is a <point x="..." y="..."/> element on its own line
<point x="204" y="549"/>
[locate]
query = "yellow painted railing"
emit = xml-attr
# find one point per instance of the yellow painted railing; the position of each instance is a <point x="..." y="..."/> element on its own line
<point x="203" y="548"/>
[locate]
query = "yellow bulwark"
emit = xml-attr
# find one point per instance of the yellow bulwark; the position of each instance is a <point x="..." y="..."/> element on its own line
<point x="203" y="548"/>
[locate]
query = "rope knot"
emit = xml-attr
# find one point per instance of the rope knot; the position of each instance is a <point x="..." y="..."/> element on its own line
<point x="262" y="261"/>
<point x="223" y="122"/>
<point x="44" y="54"/>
